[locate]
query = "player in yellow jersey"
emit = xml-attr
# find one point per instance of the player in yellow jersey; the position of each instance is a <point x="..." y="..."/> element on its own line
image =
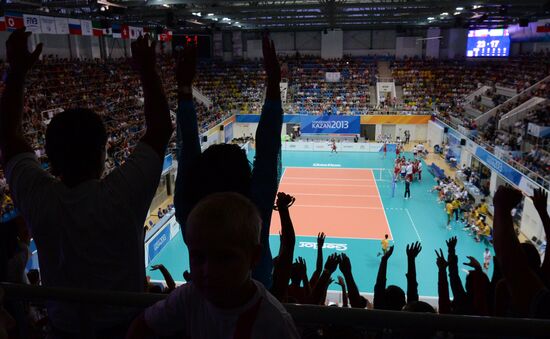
<point x="385" y="244"/>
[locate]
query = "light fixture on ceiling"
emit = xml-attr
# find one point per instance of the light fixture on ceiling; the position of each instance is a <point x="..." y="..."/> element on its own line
<point x="456" y="13"/>
<point x="460" y="8"/>
<point x="226" y="19"/>
<point x="166" y="5"/>
<point x="210" y="14"/>
<point x="431" y="18"/>
<point x="444" y="14"/>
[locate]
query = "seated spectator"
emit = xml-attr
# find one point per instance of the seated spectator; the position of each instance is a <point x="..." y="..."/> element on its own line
<point x="223" y="238"/>
<point x="79" y="204"/>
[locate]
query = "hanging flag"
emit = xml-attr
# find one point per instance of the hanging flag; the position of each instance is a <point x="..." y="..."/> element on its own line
<point x="116" y="31"/>
<point x="47" y="25"/>
<point x="62" y="25"/>
<point x="14" y="21"/>
<point x="107" y="30"/>
<point x="165" y="36"/>
<point x="75" y="27"/>
<point x="86" y="27"/>
<point x="135" y="32"/>
<point x="2" y="24"/>
<point x="32" y="23"/>
<point x="125" y="32"/>
<point x="97" y="29"/>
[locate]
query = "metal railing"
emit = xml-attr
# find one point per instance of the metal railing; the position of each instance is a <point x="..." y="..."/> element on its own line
<point x="311" y="316"/>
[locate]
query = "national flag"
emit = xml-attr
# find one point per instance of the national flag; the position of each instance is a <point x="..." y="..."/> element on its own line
<point x="125" y="32"/>
<point x="32" y="23"/>
<point x="75" y="27"/>
<point x="2" y="24"/>
<point x="62" y="25"/>
<point x="14" y="21"/>
<point x="47" y="25"/>
<point x="543" y="29"/>
<point x="116" y="31"/>
<point x="86" y="27"/>
<point x="135" y="32"/>
<point x="97" y="29"/>
<point x="165" y="36"/>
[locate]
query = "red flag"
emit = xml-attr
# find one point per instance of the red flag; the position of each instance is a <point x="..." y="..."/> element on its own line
<point x="125" y="32"/>
<point x="14" y="21"/>
<point x="2" y="24"/>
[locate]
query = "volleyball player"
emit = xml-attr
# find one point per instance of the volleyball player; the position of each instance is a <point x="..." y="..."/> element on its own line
<point x="385" y="244"/>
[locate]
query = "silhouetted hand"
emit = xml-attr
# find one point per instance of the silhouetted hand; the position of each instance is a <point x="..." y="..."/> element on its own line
<point x="320" y="240"/>
<point x="271" y="64"/>
<point x="186" y="66"/>
<point x="341" y="281"/>
<point x="17" y="51"/>
<point x="157" y="267"/>
<point x="451" y="245"/>
<point x="332" y="263"/>
<point x="440" y="261"/>
<point x="187" y="276"/>
<point x="413" y="250"/>
<point x="302" y="266"/>
<point x="540" y="199"/>
<point x="388" y="254"/>
<point x="284" y="201"/>
<point x="506" y="198"/>
<point x="473" y="263"/>
<point x="345" y="264"/>
<point x="143" y="54"/>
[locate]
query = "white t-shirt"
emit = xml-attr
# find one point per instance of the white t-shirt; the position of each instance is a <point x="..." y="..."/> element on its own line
<point x="89" y="236"/>
<point x="186" y="311"/>
<point x="487" y="257"/>
<point x="409" y="169"/>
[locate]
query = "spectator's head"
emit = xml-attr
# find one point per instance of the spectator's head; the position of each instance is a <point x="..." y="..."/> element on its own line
<point x="395" y="298"/>
<point x="75" y="145"/>
<point x="295" y="274"/>
<point x="220" y="168"/>
<point x="223" y="238"/>
<point x="34" y="277"/>
<point x="385" y="236"/>
<point x="419" y="306"/>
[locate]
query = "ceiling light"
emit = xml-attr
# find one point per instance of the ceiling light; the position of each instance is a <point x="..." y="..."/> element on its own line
<point x="431" y="18"/>
<point x="210" y="14"/>
<point x="460" y="8"/>
<point x="236" y="22"/>
<point x="226" y="19"/>
<point x="166" y="5"/>
<point x="476" y="6"/>
<point x="456" y="13"/>
<point x="444" y="14"/>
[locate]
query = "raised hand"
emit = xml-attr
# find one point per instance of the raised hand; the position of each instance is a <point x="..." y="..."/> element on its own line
<point x="540" y="199"/>
<point x="506" y="198"/>
<point x="388" y="254"/>
<point x="440" y="261"/>
<point x="19" y="57"/>
<point x="451" y="245"/>
<point x="157" y="267"/>
<point x="302" y="265"/>
<point x="345" y="264"/>
<point x="321" y="240"/>
<point x="413" y="250"/>
<point x="332" y="263"/>
<point x="186" y="65"/>
<point x="143" y="54"/>
<point x="284" y="201"/>
<point x="341" y="281"/>
<point x="271" y="63"/>
<point x="473" y="263"/>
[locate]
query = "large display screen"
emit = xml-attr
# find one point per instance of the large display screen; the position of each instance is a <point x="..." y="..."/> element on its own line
<point x="483" y="43"/>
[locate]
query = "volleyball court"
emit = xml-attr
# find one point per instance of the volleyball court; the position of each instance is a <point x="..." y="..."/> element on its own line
<point x="343" y="203"/>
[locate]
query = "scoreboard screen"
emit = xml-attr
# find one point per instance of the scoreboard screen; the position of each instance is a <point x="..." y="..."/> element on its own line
<point x="483" y="43"/>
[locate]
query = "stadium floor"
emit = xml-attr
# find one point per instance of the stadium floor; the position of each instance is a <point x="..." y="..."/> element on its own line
<point x="349" y="197"/>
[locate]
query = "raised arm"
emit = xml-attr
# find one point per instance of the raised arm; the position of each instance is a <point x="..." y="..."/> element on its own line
<point x="353" y="292"/>
<point x="321" y="287"/>
<point x="342" y="284"/>
<point x="540" y="200"/>
<point x="319" y="264"/>
<point x="157" y="114"/>
<point x="442" y="284"/>
<point x="380" y="286"/>
<point x="456" y="282"/>
<point x="265" y="181"/>
<point x="281" y="271"/>
<point x="12" y="140"/>
<point x="187" y="131"/>
<point x="412" y="284"/>
<point x="523" y="283"/>
<point x="170" y="283"/>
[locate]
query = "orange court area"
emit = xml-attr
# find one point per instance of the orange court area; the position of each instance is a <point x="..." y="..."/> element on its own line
<point x="343" y="203"/>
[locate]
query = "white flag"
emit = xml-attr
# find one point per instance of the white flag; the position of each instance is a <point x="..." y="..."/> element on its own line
<point x="86" y="27"/>
<point x="47" y="23"/>
<point x="32" y="22"/>
<point x="62" y="25"/>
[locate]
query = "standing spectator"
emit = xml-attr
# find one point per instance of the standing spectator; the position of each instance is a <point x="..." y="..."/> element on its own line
<point x="199" y="175"/>
<point x="74" y="218"/>
<point x="487" y="257"/>
<point x="407" y="188"/>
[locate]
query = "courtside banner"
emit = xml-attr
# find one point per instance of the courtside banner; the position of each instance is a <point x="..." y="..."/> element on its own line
<point x="330" y="124"/>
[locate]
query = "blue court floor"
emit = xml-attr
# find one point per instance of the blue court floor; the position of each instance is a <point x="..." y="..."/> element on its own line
<point x="420" y="218"/>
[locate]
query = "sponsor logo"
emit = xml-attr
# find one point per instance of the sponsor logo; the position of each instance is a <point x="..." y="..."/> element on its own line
<point x="326" y="165"/>
<point x="330" y="124"/>
<point x="313" y="245"/>
<point x="160" y="242"/>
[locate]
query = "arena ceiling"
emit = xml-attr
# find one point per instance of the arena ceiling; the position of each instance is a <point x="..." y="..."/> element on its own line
<point x="297" y="14"/>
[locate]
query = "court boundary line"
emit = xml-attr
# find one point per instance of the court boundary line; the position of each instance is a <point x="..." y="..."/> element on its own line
<point x="314" y="184"/>
<point x="385" y="215"/>
<point x="335" y="206"/>
<point x="413" y="225"/>
<point x="341" y="195"/>
<point x="338" y="179"/>
<point x="339" y="168"/>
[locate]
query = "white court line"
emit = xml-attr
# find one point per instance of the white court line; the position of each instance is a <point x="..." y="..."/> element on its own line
<point x="414" y="226"/>
<point x="385" y="215"/>
<point x="313" y="184"/>
<point x="339" y="179"/>
<point x="335" y="206"/>
<point x="340" y="195"/>
<point x="337" y="168"/>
